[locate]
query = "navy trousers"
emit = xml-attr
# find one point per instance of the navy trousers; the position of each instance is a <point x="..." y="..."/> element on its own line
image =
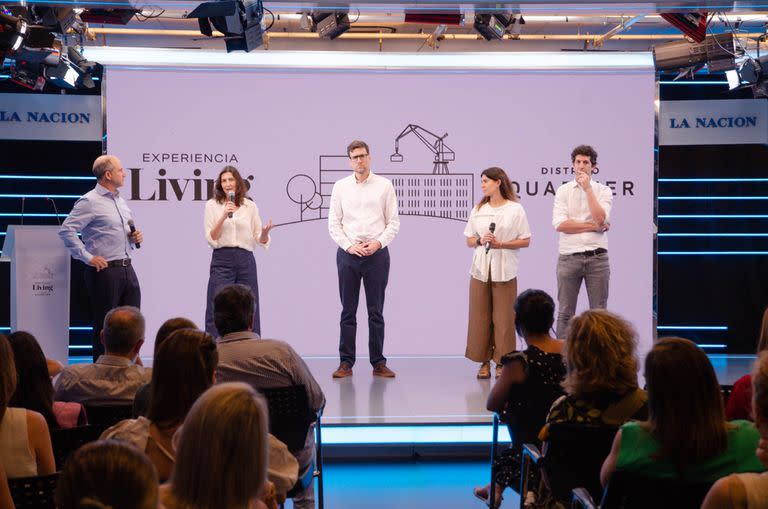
<point x="231" y="265"/>
<point x="374" y="272"/>
<point x="108" y="289"/>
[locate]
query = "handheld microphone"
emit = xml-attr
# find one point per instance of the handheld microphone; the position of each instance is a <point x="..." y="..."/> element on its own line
<point x="133" y="230"/>
<point x="55" y="210"/>
<point x="231" y="197"/>
<point x="491" y="228"/>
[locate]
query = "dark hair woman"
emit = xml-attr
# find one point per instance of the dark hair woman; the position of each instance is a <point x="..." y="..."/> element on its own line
<point x="232" y="228"/>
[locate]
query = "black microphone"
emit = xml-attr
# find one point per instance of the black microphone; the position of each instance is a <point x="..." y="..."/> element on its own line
<point x="133" y="230"/>
<point x="491" y="228"/>
<point x="55" y="210"/>
<point x="231" y="197"/>
<point x="23" y="198"/>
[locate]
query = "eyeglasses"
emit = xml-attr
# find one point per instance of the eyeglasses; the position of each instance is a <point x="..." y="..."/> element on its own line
<point x="358" y="157"/>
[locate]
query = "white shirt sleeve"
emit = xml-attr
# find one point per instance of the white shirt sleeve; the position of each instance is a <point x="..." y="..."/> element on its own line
<point x="256" y="226"/>
<point x="391" y="217"/>
<point x="469" y="230"/>
<point x="209" y="222"/>
<point x="605" y="199"/>
<point x="335" y="215"/>
<point x="560" y="209"/>
<point x="521" y="224"/>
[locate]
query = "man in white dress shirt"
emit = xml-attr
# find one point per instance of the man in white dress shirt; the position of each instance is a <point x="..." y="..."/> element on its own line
<point x="362" y="220"/>
<point x="581" y="214"/>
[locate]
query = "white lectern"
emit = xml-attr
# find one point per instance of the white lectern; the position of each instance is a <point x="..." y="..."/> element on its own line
<point x="40" y="286"/>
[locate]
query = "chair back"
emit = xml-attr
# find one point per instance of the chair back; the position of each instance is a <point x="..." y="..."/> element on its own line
<point x="628" y="490"/>
<point x="108" y="414"/>
<point x="67" y="441"/>
<point x="34" y="492"/>
<point x="573" y="458"/>
<point x="290" y="415"/>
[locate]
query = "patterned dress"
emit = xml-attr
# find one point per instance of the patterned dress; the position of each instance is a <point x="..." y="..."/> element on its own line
<point x="527" y="407"/>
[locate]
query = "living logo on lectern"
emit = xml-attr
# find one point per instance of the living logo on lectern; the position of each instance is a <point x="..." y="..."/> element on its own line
<point x="438" y="194"/>
<point x="43" y="280"/>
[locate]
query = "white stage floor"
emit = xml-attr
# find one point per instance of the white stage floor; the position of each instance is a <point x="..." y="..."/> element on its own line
<point x="427" y="390"/>
<point x="431" y="390"/>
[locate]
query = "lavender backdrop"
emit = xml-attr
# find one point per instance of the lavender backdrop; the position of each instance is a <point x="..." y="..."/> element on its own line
<point x="170" y="126"/>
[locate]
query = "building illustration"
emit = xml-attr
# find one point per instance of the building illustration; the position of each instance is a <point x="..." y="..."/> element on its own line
<point x="439" y="193"/>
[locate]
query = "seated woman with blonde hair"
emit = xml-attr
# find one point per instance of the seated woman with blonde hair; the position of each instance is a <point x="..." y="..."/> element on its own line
<point x="748" y="490"/>
<point x="221" y="454"/>
<point x="600" y="374"/>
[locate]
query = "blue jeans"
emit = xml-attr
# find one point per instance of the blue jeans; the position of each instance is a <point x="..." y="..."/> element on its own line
<point x="595" y="271"/>
<point x="231" y="265"/>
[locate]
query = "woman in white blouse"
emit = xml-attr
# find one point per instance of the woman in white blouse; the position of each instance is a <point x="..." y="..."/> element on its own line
<point x="232" y="228"/>
<point x="496" y="230"/>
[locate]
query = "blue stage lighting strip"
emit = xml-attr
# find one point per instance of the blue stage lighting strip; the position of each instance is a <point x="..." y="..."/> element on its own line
<point x="44" y="196"/>
<point x="424" y="434"/>
<point x="707" y="345"/>
<point x="712" y="234"/>
<point x="711" y="253"/>
<point x="693" y="82"/>
<point x="13" y="214"/>
<point x="692" y="327"/>
<point x="45" y="177"/>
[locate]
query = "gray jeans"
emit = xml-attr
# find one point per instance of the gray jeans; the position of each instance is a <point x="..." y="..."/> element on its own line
<point x="571" y="270"/>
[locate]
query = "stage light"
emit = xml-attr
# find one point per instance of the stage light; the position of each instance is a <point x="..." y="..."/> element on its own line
<point x="751" y="73"/>
<point x="56" y="19"/>
<point x="330" y="25"/>
<point x="718" y="52"/>
<point x="491" y="25"/>
<point x="239" y="21"/>
<point x="73" y="71"/>
<point x="13" y="31"/>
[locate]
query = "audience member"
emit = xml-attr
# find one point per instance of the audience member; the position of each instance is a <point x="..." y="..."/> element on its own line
<point x="262" y="363"/>
<point x="34" y="390"/>
<point x="748" y="490"/>
<point x="530" y="382"/>
<point x="117" y="374"/>
<point x="686" y="435"/>
<point x="183" y="369"/>
<point x="740" y="401"/>
<point x="107" y="474"/>
<point x="141" y="399"/>
<point x="25" y="442"/>
<point x="601" y="373"/>
<point x="221" y="453"/>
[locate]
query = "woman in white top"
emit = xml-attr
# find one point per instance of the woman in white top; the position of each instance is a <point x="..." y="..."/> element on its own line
<point x="25" y="443"/>
<point x="496" y="230"/>
<point x="232" y="228"/>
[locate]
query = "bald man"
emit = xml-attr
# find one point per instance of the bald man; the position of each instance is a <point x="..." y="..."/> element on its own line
<point x="102" y="218"/>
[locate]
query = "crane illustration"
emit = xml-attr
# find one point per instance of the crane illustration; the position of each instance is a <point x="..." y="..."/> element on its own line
<point x="443" y="153"/>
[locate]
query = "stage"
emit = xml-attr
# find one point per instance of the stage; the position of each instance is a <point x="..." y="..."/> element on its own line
<point x="434" y="406"/>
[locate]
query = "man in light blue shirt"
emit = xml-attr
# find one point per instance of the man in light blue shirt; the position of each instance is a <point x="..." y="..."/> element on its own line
<point x="106" y="224"/>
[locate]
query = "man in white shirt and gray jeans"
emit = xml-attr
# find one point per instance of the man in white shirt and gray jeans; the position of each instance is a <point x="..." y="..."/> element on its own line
<point x="362" y="220"/>
<point x="580" y="214"/>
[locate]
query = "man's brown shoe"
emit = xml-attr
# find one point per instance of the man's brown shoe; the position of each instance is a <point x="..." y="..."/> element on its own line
<point x="381" y="369"/>
<point x="343" y="371"/>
